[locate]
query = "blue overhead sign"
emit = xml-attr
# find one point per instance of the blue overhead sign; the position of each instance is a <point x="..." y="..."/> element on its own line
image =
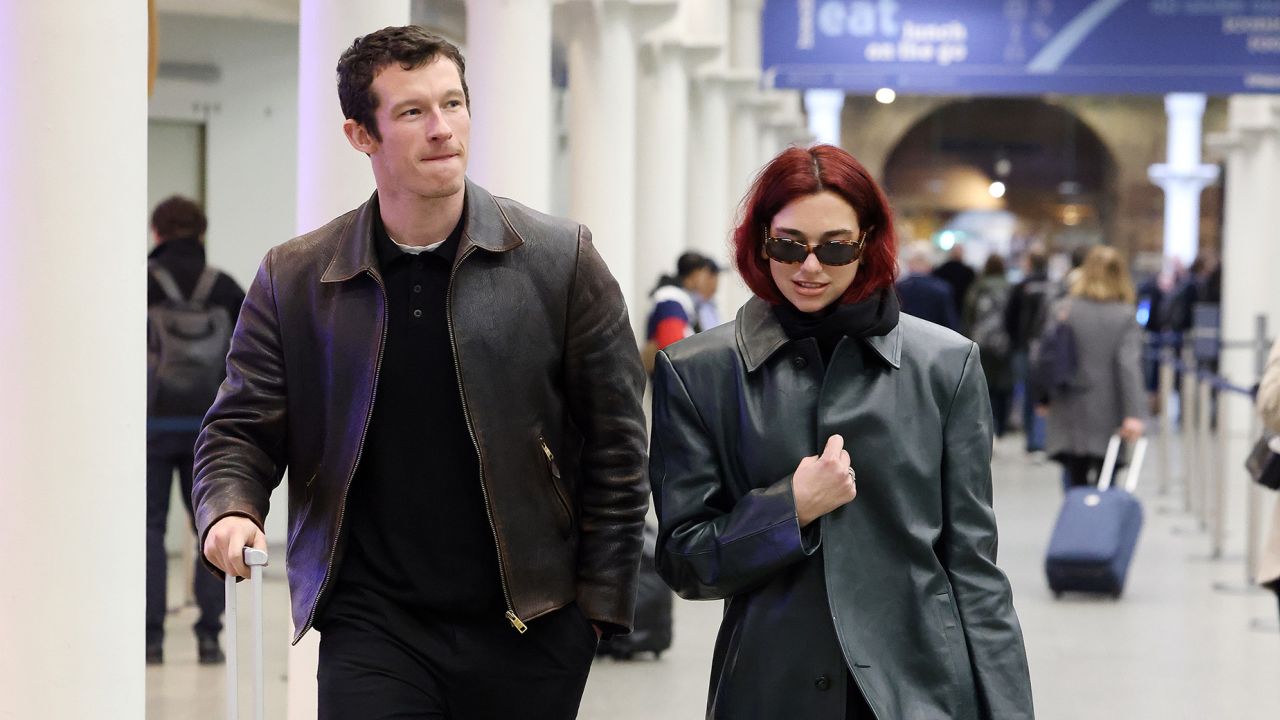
<point x="1024" y="46"/>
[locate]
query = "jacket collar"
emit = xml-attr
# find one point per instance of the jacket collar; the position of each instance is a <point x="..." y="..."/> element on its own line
<point x="485" y="226"/>
<point x="760" y="335"/>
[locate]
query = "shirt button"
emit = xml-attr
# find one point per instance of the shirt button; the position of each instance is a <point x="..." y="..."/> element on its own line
<point x="799" y="362"/>
<point x="823" y="683"/>
<point x="417" y="313"/>
<point x="417" y="288"/>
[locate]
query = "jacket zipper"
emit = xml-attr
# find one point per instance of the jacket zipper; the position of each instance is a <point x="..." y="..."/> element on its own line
<point x="555" y="479"/>
<point x="511" y="615"/>
<point x="342" y="510"/>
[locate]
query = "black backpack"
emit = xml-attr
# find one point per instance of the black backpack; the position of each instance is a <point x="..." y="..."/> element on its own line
<point x="187" y="344"/>
<point x="1054" y="361"/>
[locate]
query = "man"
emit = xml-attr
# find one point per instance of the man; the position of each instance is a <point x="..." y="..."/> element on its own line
<point x="959" y="276"/>
<point x="452" y="382"/>
<point x="1024" y="319"/>
<point x="682" y="305"/>
<point x="924" y="295"/>
<point x="181" y="288"/>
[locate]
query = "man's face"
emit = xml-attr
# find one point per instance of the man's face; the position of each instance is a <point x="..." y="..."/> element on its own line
<point x="705" y="283"/>
<point x="426" y="129"/>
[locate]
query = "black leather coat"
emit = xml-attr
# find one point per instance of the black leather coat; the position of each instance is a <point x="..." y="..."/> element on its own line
<point x="900" y="586"/>
<point x="550" y="379"/>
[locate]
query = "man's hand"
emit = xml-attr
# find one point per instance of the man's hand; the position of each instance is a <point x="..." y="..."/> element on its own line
<point x="823" y="483"/>
<point x="1131" y="429"/>
<point x="224" y="545"/>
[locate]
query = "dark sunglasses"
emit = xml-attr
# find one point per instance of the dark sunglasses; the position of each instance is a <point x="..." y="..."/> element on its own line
<point x="794" y="252"/>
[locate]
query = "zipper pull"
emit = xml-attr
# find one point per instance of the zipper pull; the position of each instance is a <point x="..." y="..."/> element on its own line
<point x="516" y="622"/>
<point x="546" y="450"/>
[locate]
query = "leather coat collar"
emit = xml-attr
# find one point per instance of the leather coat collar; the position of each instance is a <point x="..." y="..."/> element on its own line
<point x="760" y="335"/>
<point x="485" y="226"/>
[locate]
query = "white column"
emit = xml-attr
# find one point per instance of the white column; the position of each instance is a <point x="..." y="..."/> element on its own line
<point x="823" y="107"/>
<point x="712" y="205"/>
<point x="1251" y="251"/>
<point x="1183" y="176"/>
<point x="662" y="189"/>
<point x="73" y="210"/>
<point x="601" y="40"/>
<point x="332" y="178"/>
<point x="509" y="76"/>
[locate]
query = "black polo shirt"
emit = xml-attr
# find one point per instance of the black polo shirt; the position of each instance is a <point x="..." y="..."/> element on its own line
<point x="417" y="529"/>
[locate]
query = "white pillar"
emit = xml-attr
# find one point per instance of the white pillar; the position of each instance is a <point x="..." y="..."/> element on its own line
<point x="823" y="107"/>
<point x="1183" y="177"/>
<point x="711" y="217"/>
<point x="73" y="210"/>
<point x="332" y="178"/>
<point x="602" y="39"/>
<point x="662" y="189"/>
<point x="1250" y="252"/>
<point x="509" y="75"/>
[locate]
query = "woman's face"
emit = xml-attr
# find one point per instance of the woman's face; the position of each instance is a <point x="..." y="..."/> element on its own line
<point x="814" y="219"/>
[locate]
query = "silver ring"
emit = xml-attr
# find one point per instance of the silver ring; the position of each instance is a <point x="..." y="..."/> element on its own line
<point x="852" y="476"/>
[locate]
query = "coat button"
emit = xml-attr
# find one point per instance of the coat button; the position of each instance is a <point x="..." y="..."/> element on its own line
<point x="799" y="362"/>
<point x="417" y="313"/>
<point x="822" y="683"/>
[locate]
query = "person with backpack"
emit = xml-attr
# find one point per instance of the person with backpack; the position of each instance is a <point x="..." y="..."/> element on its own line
<point x="191" y="310"/>
<point x="1088" y="367"/>
<point x="984" y="318"/>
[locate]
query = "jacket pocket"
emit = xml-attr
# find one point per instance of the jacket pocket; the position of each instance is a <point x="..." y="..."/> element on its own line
<point x="562" y="498"/>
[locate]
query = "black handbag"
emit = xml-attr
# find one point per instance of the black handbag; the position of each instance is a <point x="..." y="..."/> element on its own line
<point x="1264" y="464"/>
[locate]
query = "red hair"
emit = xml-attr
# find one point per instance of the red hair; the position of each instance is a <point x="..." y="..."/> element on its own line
<point x="798" y="172"/>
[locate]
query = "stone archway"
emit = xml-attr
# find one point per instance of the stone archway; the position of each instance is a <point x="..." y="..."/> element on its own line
<point x="1058" y="176"/>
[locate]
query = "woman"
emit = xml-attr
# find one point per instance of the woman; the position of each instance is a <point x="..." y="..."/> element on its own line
<point x="823" y="465"/>
<point x="1106" y="393"/>
<point x="1269" y="409"/>
<point x="984" y="311"/>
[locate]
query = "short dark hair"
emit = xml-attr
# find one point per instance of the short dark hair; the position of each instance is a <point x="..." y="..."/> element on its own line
<point x="178" y="218"/>
<point x="994" y="265"/>
<point x="800" y="172"/>
<point x="691" y="262"/>
<point x="409" y="45"/>
<point x="1038" y="259"/>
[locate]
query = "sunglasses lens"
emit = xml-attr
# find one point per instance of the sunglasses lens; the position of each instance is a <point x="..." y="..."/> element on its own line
<point x="836" y="253"/>
<point x="785" y="251"/>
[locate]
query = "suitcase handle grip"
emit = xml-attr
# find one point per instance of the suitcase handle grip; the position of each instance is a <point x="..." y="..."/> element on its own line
<point x="1135" y="464"/>
<point x="256" y="559"/>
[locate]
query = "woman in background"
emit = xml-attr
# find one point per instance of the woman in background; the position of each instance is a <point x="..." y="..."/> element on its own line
<point x="1106" y="393"/>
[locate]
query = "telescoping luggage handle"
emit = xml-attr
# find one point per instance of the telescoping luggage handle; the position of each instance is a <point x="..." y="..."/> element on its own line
<point x="256" y="560"/>
<point x="1135" y="464"/>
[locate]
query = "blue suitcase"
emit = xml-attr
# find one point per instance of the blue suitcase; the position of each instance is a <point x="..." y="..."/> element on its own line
<point x="1097" y="530"/>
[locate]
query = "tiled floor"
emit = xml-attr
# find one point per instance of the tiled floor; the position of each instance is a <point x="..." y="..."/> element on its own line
<point x="1174" y="647"/>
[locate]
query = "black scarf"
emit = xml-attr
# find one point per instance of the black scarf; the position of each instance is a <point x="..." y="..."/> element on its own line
<point x="876" y="315"/>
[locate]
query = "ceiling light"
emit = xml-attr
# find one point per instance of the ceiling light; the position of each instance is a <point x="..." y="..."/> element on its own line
<point x="886" y="95"/>
<point x="996" y="189"/>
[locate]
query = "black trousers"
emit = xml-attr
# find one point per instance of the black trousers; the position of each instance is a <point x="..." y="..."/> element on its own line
<point x="1081" y="469"/>
<point x="380" y="661"/>
<point x="167" y="451"/>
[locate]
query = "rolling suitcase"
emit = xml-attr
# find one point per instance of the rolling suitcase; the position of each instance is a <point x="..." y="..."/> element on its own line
<point x="651" y="629"/>
<point x="256" y="560"/>
<point x="1097" y="530"/>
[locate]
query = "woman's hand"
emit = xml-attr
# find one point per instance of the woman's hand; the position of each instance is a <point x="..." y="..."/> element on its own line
<point x="823" y="483"/>
<point x="1131" y="429"/>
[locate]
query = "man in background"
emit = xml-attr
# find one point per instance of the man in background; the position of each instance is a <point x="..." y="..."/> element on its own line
<point x="184" y="371"/>
<point x="924" y="295"/>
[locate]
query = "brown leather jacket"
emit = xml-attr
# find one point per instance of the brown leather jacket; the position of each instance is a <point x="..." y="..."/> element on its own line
<point x="551" y="384"/>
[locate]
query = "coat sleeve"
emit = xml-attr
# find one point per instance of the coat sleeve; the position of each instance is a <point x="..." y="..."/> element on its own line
<point x="1133" y="392"/>
<point x="968" y="552"/>
<point x="240" y="455"/>
<point x="604" y="382"/>
<point x="709" y="546"/>
<point x="1269" y="391"/>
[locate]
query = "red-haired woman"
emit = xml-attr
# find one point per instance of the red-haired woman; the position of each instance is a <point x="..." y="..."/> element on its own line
<point x="823" y="465"/>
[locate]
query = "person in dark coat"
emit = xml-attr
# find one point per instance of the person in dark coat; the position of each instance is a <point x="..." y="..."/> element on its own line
<point x="822" y="464"/>
<point x="958" y="275"/>
<point x="177" y="227"/>
<point x="924" y="295"/>
<point x="984" y="322"/>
